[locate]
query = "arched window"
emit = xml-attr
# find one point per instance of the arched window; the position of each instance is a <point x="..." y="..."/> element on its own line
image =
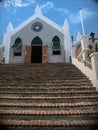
<point x="56" y="48"/>
<point x="17" y="47"/>
<point x="36" y="41"/>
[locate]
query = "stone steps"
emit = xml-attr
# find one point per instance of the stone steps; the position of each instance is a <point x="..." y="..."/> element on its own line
<point x="44" y="76"/>
<point x="49" y="89"/>
<point x="46" y="105"/>
<point x="59" y="123"/>
<point x="17" y="83"/>
<point x="46" y="97"/>
<point x="58" y="99"/>
<point x="48" y="114"/>
<point x="45" y="80"/>
<point x="49" y="93"/>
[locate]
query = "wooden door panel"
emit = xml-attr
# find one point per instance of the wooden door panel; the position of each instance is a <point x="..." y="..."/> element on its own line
<point x="45" y="54"/>
<point x="28" y="55"/>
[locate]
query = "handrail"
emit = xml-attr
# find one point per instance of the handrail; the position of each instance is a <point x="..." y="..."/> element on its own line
<point x="82" y="52"/>
<point x="86" y="63"/>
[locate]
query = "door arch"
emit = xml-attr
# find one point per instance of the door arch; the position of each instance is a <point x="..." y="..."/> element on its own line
<point x="36" y="41"/>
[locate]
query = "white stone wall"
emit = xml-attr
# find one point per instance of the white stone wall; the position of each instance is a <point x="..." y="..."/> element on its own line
<point x="94" y="60"/>
<point x="93" y="72"/>
<point x="84" y="69"/>
<point x="17" y="59"/>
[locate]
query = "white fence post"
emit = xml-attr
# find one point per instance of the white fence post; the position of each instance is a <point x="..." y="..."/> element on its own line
<point x="94" y="60"/>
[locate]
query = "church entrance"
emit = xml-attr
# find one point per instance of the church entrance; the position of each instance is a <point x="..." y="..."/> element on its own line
<point x="36" y="51"/>
<point x="36" y="54"/>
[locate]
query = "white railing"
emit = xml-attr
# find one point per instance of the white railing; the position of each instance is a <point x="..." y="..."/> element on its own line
<point x="87" y="64"/>
<point x="90" y="69"/>
<point x="87" y="60"/>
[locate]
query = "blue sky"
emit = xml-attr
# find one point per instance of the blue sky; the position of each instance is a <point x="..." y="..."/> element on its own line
<point x="17" y="11"/>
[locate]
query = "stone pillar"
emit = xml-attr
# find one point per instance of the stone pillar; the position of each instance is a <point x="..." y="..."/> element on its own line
<point x="73" y="49"/>
<point x="84" y="44"/>
<point x="94" y="60"/>
<point x="67" y="40"/>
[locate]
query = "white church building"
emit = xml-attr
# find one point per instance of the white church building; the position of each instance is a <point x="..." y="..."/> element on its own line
<point x="37" y="40"/>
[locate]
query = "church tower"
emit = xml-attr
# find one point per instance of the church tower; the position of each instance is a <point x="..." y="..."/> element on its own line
<point x="6" y="41"/>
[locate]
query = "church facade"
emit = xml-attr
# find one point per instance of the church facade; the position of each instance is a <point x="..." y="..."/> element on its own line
<point x="37" y="40"/>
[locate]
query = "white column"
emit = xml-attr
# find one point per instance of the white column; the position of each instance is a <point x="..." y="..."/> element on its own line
<point x="67" y="40"/>
<point x="7" y="42"/>
<point x="84" y="44"/>
<point x="94" y="60"/>
<point x="73" y="49"/>
<point x="82" y="22"/>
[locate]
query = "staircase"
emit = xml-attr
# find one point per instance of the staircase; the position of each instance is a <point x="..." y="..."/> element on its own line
<point x="46" y="97"/>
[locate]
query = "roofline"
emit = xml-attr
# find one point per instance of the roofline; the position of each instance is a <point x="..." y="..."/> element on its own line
<point x="30" y="19"/>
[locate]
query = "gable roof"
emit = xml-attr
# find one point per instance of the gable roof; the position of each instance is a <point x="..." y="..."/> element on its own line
<point x="43" y="18"/>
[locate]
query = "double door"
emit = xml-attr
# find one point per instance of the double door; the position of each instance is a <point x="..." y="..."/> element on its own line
<point x="36" y="54"/>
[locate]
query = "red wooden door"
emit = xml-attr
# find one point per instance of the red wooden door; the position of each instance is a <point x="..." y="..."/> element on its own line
<point x="45" y="54"/>
<point x="28" y="55"/>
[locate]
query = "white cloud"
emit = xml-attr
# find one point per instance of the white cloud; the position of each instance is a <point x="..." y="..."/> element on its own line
<point x="47" y="6"/>
<point x="86" y="14"/>
<point x="23" y="3"/>
<point x="50" y="5"/>
<point x="74" y="18"/>
<point x="31" y="1"/>
<point x="17" y="3"/>
<point x="61" y="10"/>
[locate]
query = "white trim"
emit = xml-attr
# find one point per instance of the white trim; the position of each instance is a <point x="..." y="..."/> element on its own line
<point x="43" y="18"/>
